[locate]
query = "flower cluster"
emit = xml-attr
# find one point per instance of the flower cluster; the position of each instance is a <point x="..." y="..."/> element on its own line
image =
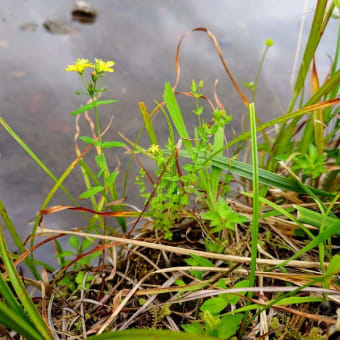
<point x="99" y="66"/>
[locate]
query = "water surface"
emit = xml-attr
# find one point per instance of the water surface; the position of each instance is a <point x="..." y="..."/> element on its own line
<point x="37" y="95"/>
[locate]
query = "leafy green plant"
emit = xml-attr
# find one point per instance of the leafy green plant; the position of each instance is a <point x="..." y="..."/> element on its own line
<point x="311" y="164"/>
<point x="214" y="323"/>
<point x="93" y="90"/>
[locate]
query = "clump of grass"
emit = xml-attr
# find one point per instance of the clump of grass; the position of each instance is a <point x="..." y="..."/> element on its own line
<point x="221" y="248"/>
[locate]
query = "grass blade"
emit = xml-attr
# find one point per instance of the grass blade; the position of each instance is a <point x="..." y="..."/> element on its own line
<point x="256" y="202"/>
<point x="314" y="218"/>
<point x="149" y="334"/>
<point x="10" y="319"/>
<point x="22" y="293"/>
<point x="35" y="157"/>
<point x="265" y="177"/>
<point x="16" y="238"/>
<point x="312" y="44"/>
<point x="176" y="115"/>
<point x="148" y="123"/>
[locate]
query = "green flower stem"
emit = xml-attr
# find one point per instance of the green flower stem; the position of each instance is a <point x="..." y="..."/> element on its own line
<point x="258" y="73"/>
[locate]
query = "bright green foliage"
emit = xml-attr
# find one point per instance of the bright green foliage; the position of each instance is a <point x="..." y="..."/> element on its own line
<point x="222" y="328"/>
<point x="223" y="217"/>
<point x="214" y="324"/>
<point x="310" y="164"/>
<point x="170" y="198"/>
<point x="198" y="261"/>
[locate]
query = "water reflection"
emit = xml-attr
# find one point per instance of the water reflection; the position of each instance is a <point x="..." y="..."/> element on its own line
<point x="36" y="94"/>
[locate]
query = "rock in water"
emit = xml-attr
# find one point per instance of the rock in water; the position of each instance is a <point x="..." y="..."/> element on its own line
<point x="84" y="12"/>
<point x="57" y="26"/>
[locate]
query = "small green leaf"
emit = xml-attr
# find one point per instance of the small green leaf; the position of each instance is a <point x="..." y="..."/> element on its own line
<point x="110" y="179"/>
<point x="214" y="305"/>
<point x="74" y="242"/>
<point x="113" y="144"/>
<point x="93" y="191"/>
<point x="87" y="139"/>
<point x="92" y="105"/>
<point x="101" y="161"/>
<point x="193" y="328"/>
<point x="234" y="299"/>
<point x="65" y="253"/>
<point x="229" y="326"/>
<point x="201" y="261"/>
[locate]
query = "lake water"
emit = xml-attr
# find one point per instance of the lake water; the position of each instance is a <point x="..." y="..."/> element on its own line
<point x="37" y="95"/>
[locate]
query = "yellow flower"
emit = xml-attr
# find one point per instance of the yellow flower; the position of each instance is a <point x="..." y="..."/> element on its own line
<point x="79" y="66"/>
<point x="103" y="66"/>
<point x="154" y="148"/>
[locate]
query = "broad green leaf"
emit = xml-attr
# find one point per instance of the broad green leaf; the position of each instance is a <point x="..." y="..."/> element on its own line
<point x="214" y="305"/>
<point x="92" y="105"/>
<point x="229" y="326"/>
<point x="234" y="299"/>
<point x="93" y="191"/>
<point x="193" y="328"/>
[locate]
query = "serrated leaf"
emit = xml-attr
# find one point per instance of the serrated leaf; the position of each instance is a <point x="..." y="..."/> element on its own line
<point x="93" y="191"/>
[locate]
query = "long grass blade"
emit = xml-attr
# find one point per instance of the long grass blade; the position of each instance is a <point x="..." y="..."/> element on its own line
<point x="21" y="291"/>
<point x="176" y="115"/>
<point x="256" y="202"/>
<point x="314" y="218"/>
<point x="13" y="321"/>
<point x="149" y="334"/>
<point x="16" y="238"/>
<point x="35" y="157"/>
<point x="312" y="44"/>
<point x="148" y="123"/>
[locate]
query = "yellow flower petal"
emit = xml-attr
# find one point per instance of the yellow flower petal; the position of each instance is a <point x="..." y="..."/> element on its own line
<point x="79" y="66"/>
<point x="103" y="66"/>
<point x="154" y="148"/>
